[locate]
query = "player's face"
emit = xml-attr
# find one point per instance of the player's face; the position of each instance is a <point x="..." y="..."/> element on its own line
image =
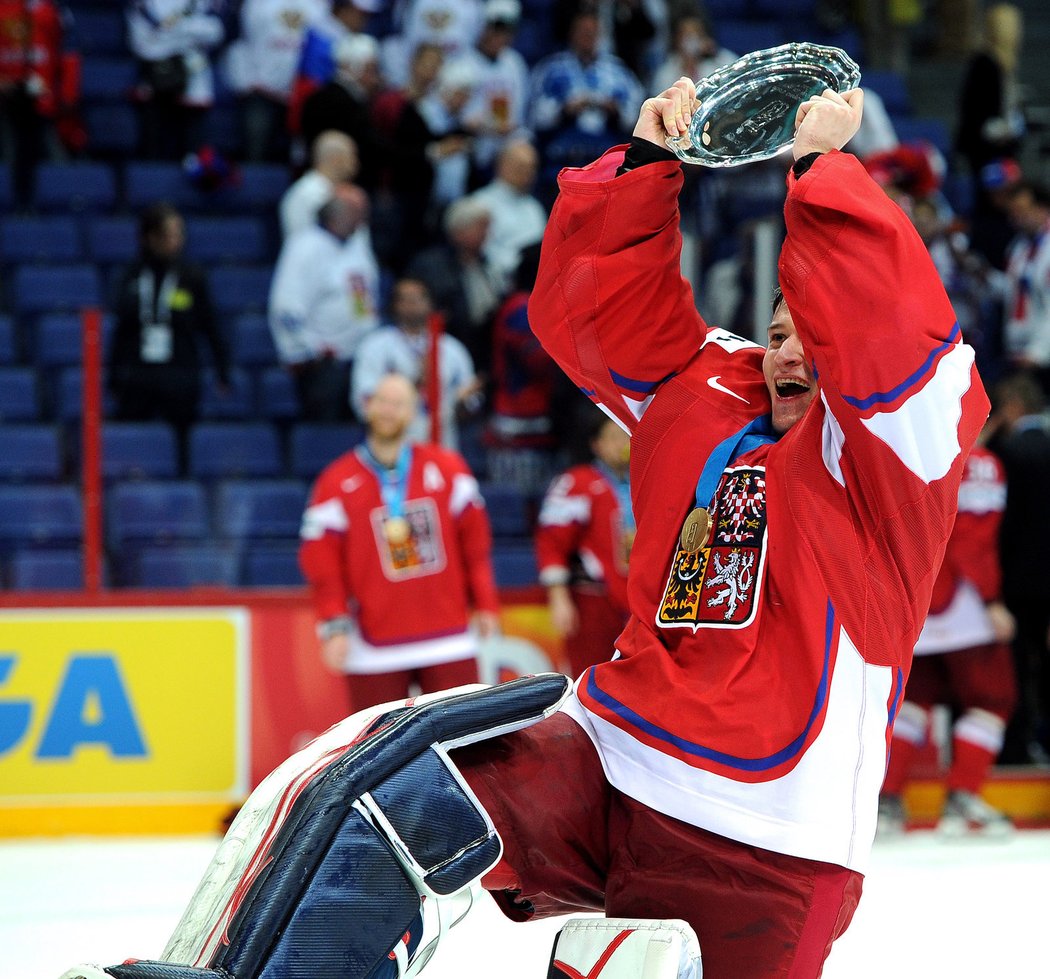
<point x="391" y="408"/>
<point x="788" y="375"/>
<point x="612" y="445"/>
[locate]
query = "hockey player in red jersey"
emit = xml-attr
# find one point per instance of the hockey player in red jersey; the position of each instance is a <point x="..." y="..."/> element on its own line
<point x="722" y="769"/>
<point x="397" y="551"/>
<point x="962" y="659"/>
<point x="584" y="535"/>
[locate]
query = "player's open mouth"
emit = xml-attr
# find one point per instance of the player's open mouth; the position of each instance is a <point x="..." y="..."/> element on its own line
<point x="789" y="387"/>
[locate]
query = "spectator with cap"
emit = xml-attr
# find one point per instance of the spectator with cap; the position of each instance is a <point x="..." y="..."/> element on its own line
<point x="323" y="300"/>
<point x="261" y="66"/>
<point x="345" y="103"/>
<point x="335" y="163"/>
<point x="496" y="111"/>
<point x="990" y="229"/>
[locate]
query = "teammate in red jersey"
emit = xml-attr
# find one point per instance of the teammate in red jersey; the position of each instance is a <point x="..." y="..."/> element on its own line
<point x="584" y="535"/>
<point x="962" y="658"/>
<point x="397" y="551"/>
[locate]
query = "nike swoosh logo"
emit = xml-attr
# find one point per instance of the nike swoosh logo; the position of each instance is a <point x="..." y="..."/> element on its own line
<point x="713" y="382"/>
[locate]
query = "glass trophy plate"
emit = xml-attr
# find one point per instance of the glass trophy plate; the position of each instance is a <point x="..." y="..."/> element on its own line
<point x="747" y="109"/>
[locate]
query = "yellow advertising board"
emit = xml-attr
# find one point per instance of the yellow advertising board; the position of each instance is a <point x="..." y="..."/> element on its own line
<point x="123" y="706"/>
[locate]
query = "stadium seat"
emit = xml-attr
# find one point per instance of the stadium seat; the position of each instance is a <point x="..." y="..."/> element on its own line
<point x="933" y="131"/>
<point x="259" y="508"/>
<point x="99" y="30"/>
<point x="238" y="289"/>
<point x="107" y="79"/>
<point x="252" y="341"/>
<point x="58" y="570"/>
<point x="7" y="191"/>
<point x="40" y="516"/>
<point x="42" y="288"/>
<point x="514" y="565"/>
<point x="139" y="450"/>
<point x="259" y="189"/>
<point x="68" y="395"/>
<point x="892" y="89"/>
<point x="227" y="239"/>
<point x="272" y="566"/>
<point x="58" y="339"/>
<point x="222" y="450"/>
<point x="112" y="128"/>
<point x="185" y="567"/>
<point x="313" y="445"/>
<point x="508" y="512"/>
<point x="8" y="341"/>
<point x="112" y="239"/>
<point x="236" y="403"/>
<point x="19" y="397"/>
<point x="29" y="452"/>
<point x="149" y="181"/>
<point x="156" y="511"/>
<point x="39" y="239"/>
<point x="276" y="397"/>
<point x="774" y="9"/>
<point x="81" y="186"/>
<point x="743" y="37"/>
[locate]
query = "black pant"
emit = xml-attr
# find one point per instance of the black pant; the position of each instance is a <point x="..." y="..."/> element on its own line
<point x="323" y="386"/>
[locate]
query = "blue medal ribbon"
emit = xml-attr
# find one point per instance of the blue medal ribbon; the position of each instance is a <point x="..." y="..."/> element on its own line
<point x="393" y="482"/>
<point x="758" y="432"/>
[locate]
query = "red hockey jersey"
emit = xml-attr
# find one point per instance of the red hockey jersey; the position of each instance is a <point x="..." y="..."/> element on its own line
<point x="411" y="599"/>
<point x="757" y="679"/>
<point x="971" y="574"/>
<point x="581" y="516"/>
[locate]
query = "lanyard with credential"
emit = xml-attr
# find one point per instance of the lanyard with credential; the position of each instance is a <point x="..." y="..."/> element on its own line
<point x="697" y="527"/>
<point x="393" y="487"/>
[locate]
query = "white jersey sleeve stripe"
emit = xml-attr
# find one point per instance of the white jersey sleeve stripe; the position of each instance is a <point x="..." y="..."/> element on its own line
<point x="322" y="518"/>
<point x="924" y="431"/>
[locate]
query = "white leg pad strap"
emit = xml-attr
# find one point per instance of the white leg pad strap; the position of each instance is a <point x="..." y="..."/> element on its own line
<point x="626" y="948"/>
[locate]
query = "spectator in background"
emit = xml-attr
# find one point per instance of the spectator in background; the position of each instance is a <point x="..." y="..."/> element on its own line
<point x="630" y="29"/>
<point x="990" y="123"/>
<point x="261" y="66"/>
<point x="396" y="548"/>
<point x="317" y="66"/>
<point x="323" y="300"/>
<point x="1027" y="327"/>
<point x="962" y="659"/>
<point x="584" y="536"/>
<point x="497" y="106"/>
<point x="526" y="386"/>
<point x="403" y="347"/>
<point x="171" y="40"/>
<point x="1020" y="437"/>
<point x="31" y="90"/>
<point x="463" y="289"/>
<point x="335" y="162"/>
<point x="518" y="218"/>
<point x="443" y="110"/>
<point x="345" y="103"/>
<point x="452" y="25"/>
<point x="696" y="53"/>
<point x="583" y="100"/>
<point x="163" y="311"/>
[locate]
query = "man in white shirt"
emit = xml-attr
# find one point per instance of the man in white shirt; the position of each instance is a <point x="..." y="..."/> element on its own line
<point x="323" y="301"/>
<point x="518" y="218"/>
<point x="403" y="347"/>
<point x="335" y="162"/>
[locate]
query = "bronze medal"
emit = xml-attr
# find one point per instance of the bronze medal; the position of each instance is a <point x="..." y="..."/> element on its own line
<point x="397" y="530"/>
<point x="695" y="530"/>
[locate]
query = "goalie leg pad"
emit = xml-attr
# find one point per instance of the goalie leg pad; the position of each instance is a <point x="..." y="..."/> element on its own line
<point x="324" y="873"/>
<point x="626" y="948"/>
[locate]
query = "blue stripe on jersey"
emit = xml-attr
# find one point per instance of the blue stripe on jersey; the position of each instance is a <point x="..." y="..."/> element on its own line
<point x="630" y="384"/>
<point x="710" y="754"/>
<point x="885" y="397"/>
<point x="898" y="697"/>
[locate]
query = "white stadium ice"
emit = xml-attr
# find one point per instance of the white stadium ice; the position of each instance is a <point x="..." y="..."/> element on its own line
<point x="965" y="910"/>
